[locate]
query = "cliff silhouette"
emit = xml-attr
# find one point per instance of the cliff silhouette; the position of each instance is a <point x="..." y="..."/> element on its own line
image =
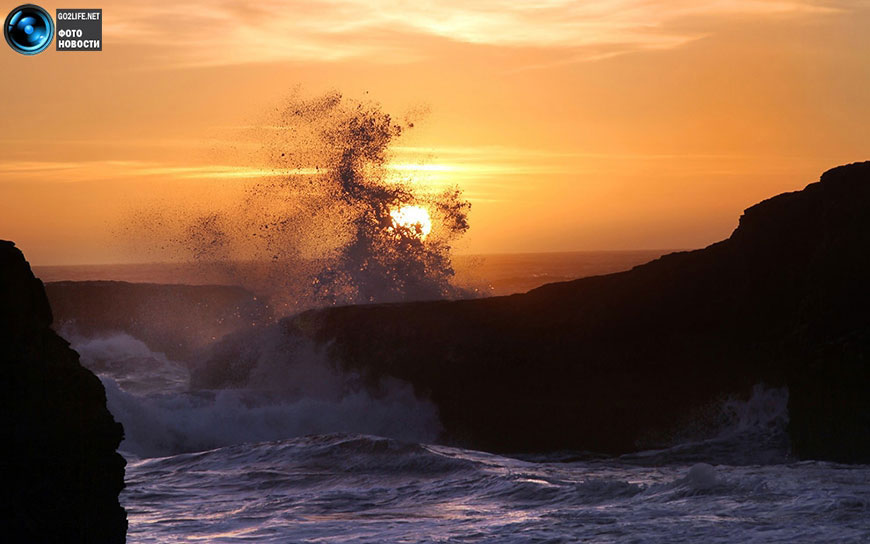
<point x="177" y="320"/>
<point x="616" y="363"/>
<point x="61" y="471"/>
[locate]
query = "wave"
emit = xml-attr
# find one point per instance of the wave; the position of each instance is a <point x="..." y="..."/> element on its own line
<point x="160" y="425"/>
<point x="333" y="225"/>
<point x="129" y="363"/>
<point x="359" y="488"/>
<point x="149" y="394"/>
<point x="283" y="388"/>
<point x="742" y="432"/>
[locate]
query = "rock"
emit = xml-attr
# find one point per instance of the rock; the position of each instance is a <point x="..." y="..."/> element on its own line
<point x="61" y="471"/>
<point x="177" y="320"/>
<point x="616" y="363"/>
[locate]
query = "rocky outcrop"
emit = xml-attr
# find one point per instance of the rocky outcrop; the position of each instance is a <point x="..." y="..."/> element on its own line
<point x="61" y="472"/>
<point x="615" y="363"/>
<point x="177" y="320"/>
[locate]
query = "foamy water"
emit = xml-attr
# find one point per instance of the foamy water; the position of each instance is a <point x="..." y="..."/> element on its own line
<point x="353" y="488"/>
<point x="332" y="464"/>
<point x="161" y="415"/>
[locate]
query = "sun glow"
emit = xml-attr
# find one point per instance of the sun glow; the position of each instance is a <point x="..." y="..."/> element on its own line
<point x="412" y="219"/>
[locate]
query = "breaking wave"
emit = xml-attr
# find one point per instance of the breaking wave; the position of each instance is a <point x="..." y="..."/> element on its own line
<point x="330" y="224"/>
<point x="745" y="431"/>
<point x="162" y="416"/>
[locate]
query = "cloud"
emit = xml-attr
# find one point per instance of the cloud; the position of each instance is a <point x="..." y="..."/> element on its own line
<point x="201" y="32"/>
<point x="115" y="170"/>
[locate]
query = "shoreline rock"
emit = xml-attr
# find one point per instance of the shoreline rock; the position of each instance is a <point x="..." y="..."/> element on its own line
<point x="613" y="363"/>
<point x="61" y="471"/>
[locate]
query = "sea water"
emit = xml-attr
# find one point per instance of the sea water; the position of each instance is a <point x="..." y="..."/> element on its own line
<point x="249" y="466"/>
<point x="357" y="488"/>
<point x="327" y="465"/>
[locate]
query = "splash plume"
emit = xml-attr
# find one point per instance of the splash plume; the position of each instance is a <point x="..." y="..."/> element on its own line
<point x="333" y="227"/>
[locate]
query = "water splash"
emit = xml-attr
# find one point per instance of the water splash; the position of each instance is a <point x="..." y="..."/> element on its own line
<point x="323" y="230"/>
<point x="150" y="395"/>
<point x="735" y="431"/>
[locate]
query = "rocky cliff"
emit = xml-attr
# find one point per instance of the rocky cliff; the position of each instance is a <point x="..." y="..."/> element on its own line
<point x="61" y="471"/>
<point x="176" y="320"/>
<point x="615" y="363"/>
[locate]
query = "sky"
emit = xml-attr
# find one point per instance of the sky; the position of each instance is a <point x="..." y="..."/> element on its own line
<point x="612" y="124"/>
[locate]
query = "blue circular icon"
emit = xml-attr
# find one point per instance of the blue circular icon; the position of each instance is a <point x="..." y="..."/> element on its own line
<point x="28" y="29"/>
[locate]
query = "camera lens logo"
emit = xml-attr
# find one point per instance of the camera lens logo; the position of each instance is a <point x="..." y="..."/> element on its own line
<point x="28" y="29"/>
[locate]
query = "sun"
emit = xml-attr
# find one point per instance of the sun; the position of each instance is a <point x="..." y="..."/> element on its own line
<point x="412" y="219"/>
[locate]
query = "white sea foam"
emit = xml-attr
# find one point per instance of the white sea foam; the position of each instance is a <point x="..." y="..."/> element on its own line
<point x="148" y="394"/>
<point x="341" y="488"/>
<point x="129" y="362"/>
<point x="247" y="480"/>
<point x="765" y="410"/>
<point x="165" y="424"/>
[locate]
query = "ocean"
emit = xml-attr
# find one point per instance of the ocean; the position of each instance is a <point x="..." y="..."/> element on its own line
<point x="490" y="274"/>
<point x="358" y="488"/>
<point x="318" y="459"/>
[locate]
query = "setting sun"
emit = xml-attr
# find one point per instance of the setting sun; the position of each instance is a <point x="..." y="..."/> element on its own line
<point x="413" y="218"/>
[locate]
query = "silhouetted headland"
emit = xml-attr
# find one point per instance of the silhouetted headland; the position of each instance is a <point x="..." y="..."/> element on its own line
<point x="176" y="320"/>
<point x="61" y="472"/>
<point x="617" y="363"/>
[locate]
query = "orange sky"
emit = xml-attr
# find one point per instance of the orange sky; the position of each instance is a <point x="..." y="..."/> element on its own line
<point x="613" y="124"/>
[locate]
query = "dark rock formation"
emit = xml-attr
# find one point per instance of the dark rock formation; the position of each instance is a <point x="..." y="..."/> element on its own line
<point x="173" y="319"/>
<point x="61" y="472"/>
<point x="611" y="363"/>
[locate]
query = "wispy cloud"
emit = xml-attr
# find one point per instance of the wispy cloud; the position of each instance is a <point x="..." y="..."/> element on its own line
<point x="71" y="172"/>
<point x="202" y="32"/>
<point x="485" y="173"/>
<point x="481" y="175"/>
